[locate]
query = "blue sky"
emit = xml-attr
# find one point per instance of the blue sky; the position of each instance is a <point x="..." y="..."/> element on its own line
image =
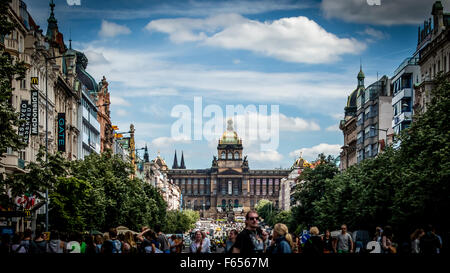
<point x="301" y="55"/>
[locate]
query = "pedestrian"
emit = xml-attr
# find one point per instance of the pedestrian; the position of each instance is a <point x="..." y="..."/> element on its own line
<point x="387" y="245"/>
<point x="130" y="245"/>
<point x="377" y="237"/>
<point x="429" y="242"/>
<point x="314" y="245"/>
<point x="231" y="240"/>
<point x="38" y="245"/>
<point x="199" y="245"/>
<point x="172" y="243"/>
<point x="438" y="250"/>
<point x="248" y="240"/>
<point x="327" y="242"/>
<point x="415" y="240"/>
<point x="26" y="241"/>
<point x="344" y="242"/>
<point x="98" y="240"/>
<point x="162" y="239"/>
<point x="82" y="241"/>
<point x="73" y="246"/>
<point x="295" y="248"/>
<point x="5" y="245"/>
<point x="150" y="243"/>
<point x="265" y="239"/>
<point x="55" y="245"/>
<point x="16" y="246"/>
<point x="112" y="245"/>
<point x="91" y="248"/>
<point x="282" y="240"/>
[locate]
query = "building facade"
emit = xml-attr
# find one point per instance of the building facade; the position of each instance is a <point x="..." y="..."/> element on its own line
<point x="374" y="118"/>
<point x="229" y="185"/>
<point x="348" y="125"/>
<point x="288" y="184"/>
<point x="433" y="49"/>
<point x="405" y="76"/>
<point x="104" y="116"/>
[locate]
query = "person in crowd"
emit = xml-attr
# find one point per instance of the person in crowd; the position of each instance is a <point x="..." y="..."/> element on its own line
<point x="231" y="240"/>
<point x="387" y="245"/>
<point x="199" y="245"/>
<point x="282" y="240"/>
<point x="314" y="245"/>
<point x="91" y="248"/>
<point x="26" y="241"/>
<point x="55" y="245"/>
<point x="179" y="244"/>
<point x="162" y="239"/>
<point x="344" y="242"/>
<point x="172" y="239"/>
<point x="16" y="246"/>
<point x="73" y="246"/>
<point x="125" y="246"/>
<point x="248" y="240"/>
<point x="415" y="240"/>
<point x="438" y="250"/>
<point x="5" y="244"/>
<point x="39" y="244"/>
<point x="98" y="240"/>
<point x="265" y="239"/>
<point x="112" y="245"/>
<point x="150" y="243"/>
<point x="82" y="241"/>
<point x="377" y="237"/>
<point x="295" y="239"/>
<point x="207" y="240"/>
<point x="129" y="240"/>
<point x="327" y="242"/>
<point x="429" y="242"/>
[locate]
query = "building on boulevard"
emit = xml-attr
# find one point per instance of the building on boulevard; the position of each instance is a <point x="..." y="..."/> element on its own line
<point x="229" y="185"/>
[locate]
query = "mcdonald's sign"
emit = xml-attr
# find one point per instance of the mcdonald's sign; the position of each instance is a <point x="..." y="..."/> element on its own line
<point x="35" y="80"/>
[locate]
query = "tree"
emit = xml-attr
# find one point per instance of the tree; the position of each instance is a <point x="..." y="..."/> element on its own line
<point x="267" y="211"/>
<point x="193" y="217"/>
<point x="9" y="69"/>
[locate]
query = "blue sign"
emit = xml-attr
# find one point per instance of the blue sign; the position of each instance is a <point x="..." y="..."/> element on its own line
<point x="7" y="230"/>
<point x="62" y="132"/>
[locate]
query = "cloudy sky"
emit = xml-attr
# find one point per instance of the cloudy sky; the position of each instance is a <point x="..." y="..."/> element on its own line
<point x="302" y="56"/>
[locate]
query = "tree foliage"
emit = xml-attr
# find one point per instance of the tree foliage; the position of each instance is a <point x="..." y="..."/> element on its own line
<point x="406" y="187"/>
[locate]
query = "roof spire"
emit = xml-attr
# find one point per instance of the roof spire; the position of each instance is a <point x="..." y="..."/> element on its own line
<point x="146" y="157"/>
<point x="52" y="27"/>
<point x="182" y="166"/>
<point x="175" y="161"/>
<point x="360" y="76"/>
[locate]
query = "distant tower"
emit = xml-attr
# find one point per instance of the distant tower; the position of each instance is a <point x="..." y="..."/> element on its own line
<point x="182" y="166"/>
<point x="360" y="76"/>
<point x="175" y="161"/>
<point x="146" y="158"/>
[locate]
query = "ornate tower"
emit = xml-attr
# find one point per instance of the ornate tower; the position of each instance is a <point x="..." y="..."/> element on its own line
<point x="175" y="161"/>
<point x="182" y="166"/>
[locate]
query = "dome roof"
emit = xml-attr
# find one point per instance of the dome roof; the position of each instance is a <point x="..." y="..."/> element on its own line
<point x="301" y="163"/>
<point x="229" y="136"/>
<point x="160" y="161"/>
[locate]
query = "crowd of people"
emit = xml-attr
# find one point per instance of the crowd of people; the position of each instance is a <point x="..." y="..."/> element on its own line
<point x="251" y="239"/>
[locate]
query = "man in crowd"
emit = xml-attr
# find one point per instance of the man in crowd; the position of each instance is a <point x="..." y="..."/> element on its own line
<point x="249" y="241"/>
<point x="344" y="243"/>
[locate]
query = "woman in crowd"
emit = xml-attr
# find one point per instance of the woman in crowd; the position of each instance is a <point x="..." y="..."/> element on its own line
<point x="199" y="245"/>
<point x="129" y="241"/>
<point x="415" y="240"/>
<point x="314" y="245"/>
<point x="386" y="241"/>
<point x="327" y="242"/>
<point x="91" y="248"/>
<point x="98" y="243"/>
<point x="282" y="240"/>
<point x="55" y="245"/>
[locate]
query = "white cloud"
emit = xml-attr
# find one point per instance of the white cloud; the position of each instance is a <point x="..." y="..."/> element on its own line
<point x="312" y="152"/>
<point x="122" y="113"/>
<point x="296" y="124"/>
<point x="333" y="128"/>
<point x="118" y="101"/>
<point x="236" y="61"/>
<point x="265" y="156"/>
<point x="398" y="12"/>
<point x="110" y="29"/>
<point x="294" y="39"/>
<point x="168" y="141"/>
<point x="130" y="70"/>
<point x="375" y="34"/>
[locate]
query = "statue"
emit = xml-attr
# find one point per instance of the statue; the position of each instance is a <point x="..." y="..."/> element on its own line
<point x="214" y="162"/>
<point x="245" y="162"/>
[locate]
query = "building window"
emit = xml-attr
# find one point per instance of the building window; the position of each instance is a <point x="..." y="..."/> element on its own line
<point x="230" y="155"/>
<point x="360" y="119"/>
<point x="223" y="155"/>
<point x="252" y="203"/>
<point x="236" y="203"/>
<point x="236" y="155"/>
<point x="367" y="151"/>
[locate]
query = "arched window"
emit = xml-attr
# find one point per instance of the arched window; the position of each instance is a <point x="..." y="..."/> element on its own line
<point x="236" y="155"/>
<point x="195" y="204"/>
<point x="223" y="155"/>
<point x="230" y="155"/>
<point x="236" y="203"/>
